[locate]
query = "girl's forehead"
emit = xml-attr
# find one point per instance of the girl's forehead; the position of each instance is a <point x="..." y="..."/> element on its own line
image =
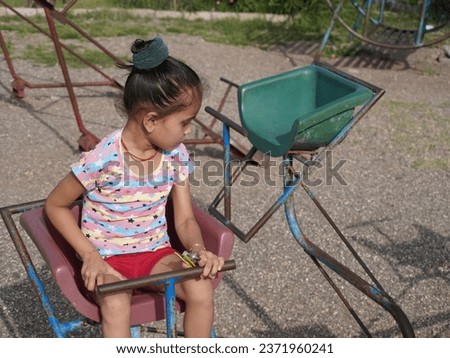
<point x="195" y="100"/>
<point x="192" y="110"/>
<point x="191" y="95"/>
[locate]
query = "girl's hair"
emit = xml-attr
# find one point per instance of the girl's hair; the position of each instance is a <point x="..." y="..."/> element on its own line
<point x="164" y="89"/>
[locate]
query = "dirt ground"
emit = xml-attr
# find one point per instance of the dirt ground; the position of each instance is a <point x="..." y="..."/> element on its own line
<point x="393" y="204"/>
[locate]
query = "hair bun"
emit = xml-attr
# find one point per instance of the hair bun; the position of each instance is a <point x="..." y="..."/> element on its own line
<point x="149" y="54"/>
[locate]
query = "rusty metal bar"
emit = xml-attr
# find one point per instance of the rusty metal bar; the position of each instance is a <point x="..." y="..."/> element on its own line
<point x="224" y="98"/>
<point x="87" y="140"/>
<point x="68" y="6"/>
<point x="224" y="119"/>
<point x="341" y="235"/>
<point x="341" y="296"/>
<point x="65" y="20"/>
<point x="235" y="148"/>
<point x="234" y="176"/>
<point x="158" y="279"/>
<point x="7" y="56"/>
<point x="377" y="295"/>
<point x="68" y="49"/>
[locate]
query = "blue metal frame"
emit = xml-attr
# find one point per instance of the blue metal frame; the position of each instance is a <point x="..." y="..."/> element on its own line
<point x="363" y="11"/>
<point x="375" y="292"/>
<point x="60" y="329"/>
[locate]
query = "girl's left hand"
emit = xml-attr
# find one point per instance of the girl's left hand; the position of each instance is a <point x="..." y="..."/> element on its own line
<point x="210" y="262"/>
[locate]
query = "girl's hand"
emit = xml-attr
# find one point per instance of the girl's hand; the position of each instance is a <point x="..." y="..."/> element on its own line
<point x="94" y="269"/>
<point x="210" y="262"/>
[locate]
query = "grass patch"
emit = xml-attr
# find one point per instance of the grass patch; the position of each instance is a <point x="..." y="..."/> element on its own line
<point x="45" y="55"/>
<point x="40" y="54"/>
<point x="309" y="25"/>
<point x="109" y="23"/>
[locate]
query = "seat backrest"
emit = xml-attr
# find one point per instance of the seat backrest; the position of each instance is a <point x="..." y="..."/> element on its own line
<point x="66" y="266"/>
<point x="276" y="109"/>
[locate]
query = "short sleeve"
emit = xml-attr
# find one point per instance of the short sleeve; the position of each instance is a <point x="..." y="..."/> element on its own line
<point x="97" y="167"/>
<point x="182" y="164"/>
<point x="87" y="170"/>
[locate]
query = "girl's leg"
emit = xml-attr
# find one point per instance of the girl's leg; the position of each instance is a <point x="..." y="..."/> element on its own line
<point x="116" y="312"/>
<point x="198" y="295"/>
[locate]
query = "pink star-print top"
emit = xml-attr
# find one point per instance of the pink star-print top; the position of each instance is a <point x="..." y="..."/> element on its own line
<point x="124" y="207"/>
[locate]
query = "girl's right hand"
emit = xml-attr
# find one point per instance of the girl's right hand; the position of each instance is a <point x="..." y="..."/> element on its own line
<point x="94" y="270"/>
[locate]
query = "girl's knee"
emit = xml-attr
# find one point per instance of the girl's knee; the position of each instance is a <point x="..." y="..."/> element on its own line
<point x="115" y="303"/>
<point x="198" y="292"/>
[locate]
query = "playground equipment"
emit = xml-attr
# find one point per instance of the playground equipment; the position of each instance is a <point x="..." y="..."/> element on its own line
<point x="299" y="115"/>
<point x="87" y="139"/>
<point x="373" y="26"/>
<point x="207" y="134"/>
<point x="65" y="266"/>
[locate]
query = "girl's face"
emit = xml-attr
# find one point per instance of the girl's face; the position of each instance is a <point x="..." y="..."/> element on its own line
<point x="169" y="132"/>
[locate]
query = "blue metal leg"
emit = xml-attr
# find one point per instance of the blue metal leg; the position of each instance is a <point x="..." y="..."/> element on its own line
<point x="326" y="37"/>
<point x="227" y="170"/>
<point x="171" y="310"/>
<point x="377" y="294"/>
<point x="135" y="331"/>
<point x="423" y="22"/>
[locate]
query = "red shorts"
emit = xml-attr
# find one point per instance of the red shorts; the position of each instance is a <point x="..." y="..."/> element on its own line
<point x="139" y="264"/>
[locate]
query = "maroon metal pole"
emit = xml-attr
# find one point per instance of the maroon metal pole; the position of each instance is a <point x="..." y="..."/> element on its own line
<point x="87" y="140"/>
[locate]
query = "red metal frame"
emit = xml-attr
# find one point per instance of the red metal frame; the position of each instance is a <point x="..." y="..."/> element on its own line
<point x="87" y="139"/>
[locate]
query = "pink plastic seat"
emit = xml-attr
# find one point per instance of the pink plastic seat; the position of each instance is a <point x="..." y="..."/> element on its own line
<point x="66" y="267"/>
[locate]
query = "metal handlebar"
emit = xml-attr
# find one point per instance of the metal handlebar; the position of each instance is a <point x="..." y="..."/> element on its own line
<point x="158" y="279"/>
<point x="224" y="119"/>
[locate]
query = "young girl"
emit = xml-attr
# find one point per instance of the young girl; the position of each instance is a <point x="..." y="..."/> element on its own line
<point x="126" y="180"/>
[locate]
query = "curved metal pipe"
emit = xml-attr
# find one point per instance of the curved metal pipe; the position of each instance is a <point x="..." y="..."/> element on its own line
<point x="374" y="293"/>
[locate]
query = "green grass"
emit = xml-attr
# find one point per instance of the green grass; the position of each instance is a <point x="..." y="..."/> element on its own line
<point x="45" y="55"/>
<point x="259" y="33"/>
<point x="309" y="25"/>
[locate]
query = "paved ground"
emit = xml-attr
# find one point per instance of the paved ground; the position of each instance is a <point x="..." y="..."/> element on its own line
<point x="393" y="208"/>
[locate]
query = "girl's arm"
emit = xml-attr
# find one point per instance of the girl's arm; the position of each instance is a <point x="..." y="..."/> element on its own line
<point x="189" y="232"/>
<point x="57" y="208"/>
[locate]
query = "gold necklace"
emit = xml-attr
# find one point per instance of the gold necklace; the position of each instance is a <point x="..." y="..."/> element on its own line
<point x="135" y="156"/>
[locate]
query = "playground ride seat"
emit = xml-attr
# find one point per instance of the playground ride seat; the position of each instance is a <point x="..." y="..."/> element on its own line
<point x="65" y="266"/>
<point x="305" y="111"/>
<point x="301" y="109"/>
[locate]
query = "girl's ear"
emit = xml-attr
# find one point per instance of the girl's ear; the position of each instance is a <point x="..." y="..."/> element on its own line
<point x="149" y="121"/>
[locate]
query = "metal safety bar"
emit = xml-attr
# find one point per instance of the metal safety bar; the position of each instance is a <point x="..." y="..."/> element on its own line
<point x="166" y="279"/>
